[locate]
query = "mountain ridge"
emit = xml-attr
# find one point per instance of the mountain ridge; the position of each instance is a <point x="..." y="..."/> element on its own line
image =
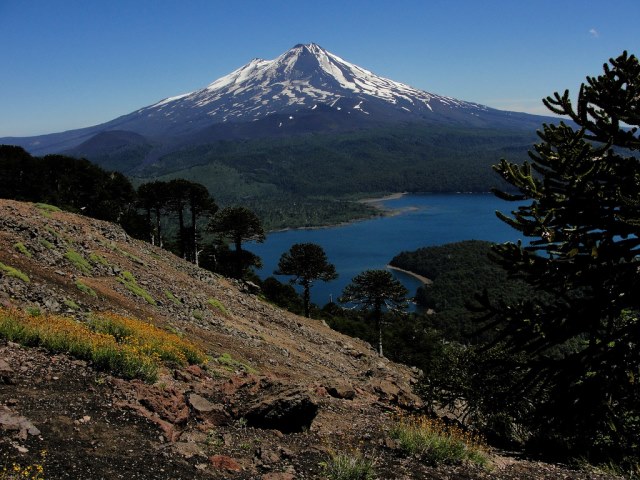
<point x="298" y="81"/>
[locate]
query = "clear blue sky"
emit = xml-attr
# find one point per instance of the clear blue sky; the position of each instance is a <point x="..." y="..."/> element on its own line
<point x="74" y="63"/>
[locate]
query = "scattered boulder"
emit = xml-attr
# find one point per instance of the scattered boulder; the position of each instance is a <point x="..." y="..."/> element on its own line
<point x="206" y="410"/>
<point x="341" y="390"/>
<point x="12" y="422"/>
<point x="289" y="412"/>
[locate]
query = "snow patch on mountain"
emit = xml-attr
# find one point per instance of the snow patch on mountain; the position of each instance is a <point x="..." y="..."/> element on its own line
<point x="301" y="78"/>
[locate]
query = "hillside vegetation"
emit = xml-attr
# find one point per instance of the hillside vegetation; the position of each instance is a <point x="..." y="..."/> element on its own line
<point x="277" y="394"/>
<point x="313" y="179"/>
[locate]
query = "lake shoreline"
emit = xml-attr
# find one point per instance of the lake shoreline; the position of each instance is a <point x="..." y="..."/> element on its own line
<point x="376" y="203"/>
<point x="417" y="276"/>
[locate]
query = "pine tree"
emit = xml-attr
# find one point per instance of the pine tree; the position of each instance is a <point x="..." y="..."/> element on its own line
<point x="582" y="345"/>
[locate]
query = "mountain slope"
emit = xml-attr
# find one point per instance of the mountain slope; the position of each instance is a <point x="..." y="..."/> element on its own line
<point x="306" y="80"/>
<point x="277" y="396"/>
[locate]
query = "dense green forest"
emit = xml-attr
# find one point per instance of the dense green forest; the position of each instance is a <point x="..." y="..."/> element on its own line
<point x="313" y="179"/>
<point x="459" y="273"/>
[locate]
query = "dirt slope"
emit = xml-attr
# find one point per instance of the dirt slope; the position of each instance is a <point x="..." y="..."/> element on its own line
<point x="279" y="394"/>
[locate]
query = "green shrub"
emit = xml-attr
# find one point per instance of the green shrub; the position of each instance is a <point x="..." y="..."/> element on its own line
<point x="232" y="364"/>
<point x="46" y="243"/>
<point x="71" y="304"/>
<point x="98" y="259"/>
<point x="78" y="261"/>
<point x="349" y="467"/>
<point x="14" y="272"/>
<point x="20" y="247"/>
<point x="438" y="443"/>
<point x="47" y="209"/>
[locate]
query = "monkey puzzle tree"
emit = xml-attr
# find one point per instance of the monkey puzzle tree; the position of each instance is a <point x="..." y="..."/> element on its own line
<point x="306" y="262"/>
<point x="238" y="225"/>
<point x="581" y="347"/>
<point x="375" y="291"/>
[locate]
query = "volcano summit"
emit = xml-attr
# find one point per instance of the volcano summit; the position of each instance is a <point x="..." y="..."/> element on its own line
<point x="306" y="89"/>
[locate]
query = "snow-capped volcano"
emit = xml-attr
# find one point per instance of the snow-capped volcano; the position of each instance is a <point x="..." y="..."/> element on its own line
<point x="306" y="89"/>
<point x="302" y="78"/>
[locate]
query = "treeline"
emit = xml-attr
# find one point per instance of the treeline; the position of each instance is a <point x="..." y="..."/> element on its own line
<point x="178" y="215"/>
<point x="76" y="185"/>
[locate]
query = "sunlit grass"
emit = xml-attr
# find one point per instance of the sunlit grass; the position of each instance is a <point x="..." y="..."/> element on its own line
<point x="129" y="281"/>
<point x="215" y="303"/>
<point x="20" y="247"/>
<point x="437" y="442"/>
<point x="13" y="272"/>
<point x="168" y="346"/>
<point x="78" y="261"/>
<point x="343" y="466"/>
<point x="125" y="346"/>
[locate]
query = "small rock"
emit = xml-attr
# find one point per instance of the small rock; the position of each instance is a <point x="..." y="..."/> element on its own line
<point x="6" y="373"/>
<point x="277" y="476"/>
<point x="222" y="462"/>
<point x="188" y="449"/>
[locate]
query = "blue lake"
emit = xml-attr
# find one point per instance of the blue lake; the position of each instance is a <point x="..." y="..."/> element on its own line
<point x="422" y="220"/>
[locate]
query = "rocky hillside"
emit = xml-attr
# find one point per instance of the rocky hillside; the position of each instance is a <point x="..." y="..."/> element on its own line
<point x="278" y="395"/>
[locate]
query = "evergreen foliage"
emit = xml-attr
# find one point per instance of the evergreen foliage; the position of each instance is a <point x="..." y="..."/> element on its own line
<point x="376" y="291"/>
<point x="238" y="225"/>
<point x="458" y="272"/>
<point x="578" y="352"/>
<point x="76" y="185"/>
<point x="306" y="262"/>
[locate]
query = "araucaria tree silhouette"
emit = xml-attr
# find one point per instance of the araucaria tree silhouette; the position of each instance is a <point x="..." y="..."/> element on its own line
<point x="306" y="262"/>
<point x="238" y="225"/>
<point x="581" y="346"/>
<point x="376" y="290"/>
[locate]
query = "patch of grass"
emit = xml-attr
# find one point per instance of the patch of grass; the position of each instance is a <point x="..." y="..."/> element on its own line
<point x="78" y="261"/>
<point x="349" y="467"/>
<point x="20" y="247"/>
<point x="232" y="364"/>
<point x="197" y="314"/>
<point x="439" y="443"/>
<point x="86" y="289"/>
<point x="47" y="209"/>
<point x="124" y="346"/>
<point x="172" y="297"/>
<point x="46" y="243"/>
<point x="116" y="248"/>
<point x="98" y="259"/>
<point x="129" y="281"/>
<point x="217" y="304"/>
<point x="14" y="272"/>
<point x="71" y="304"/>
